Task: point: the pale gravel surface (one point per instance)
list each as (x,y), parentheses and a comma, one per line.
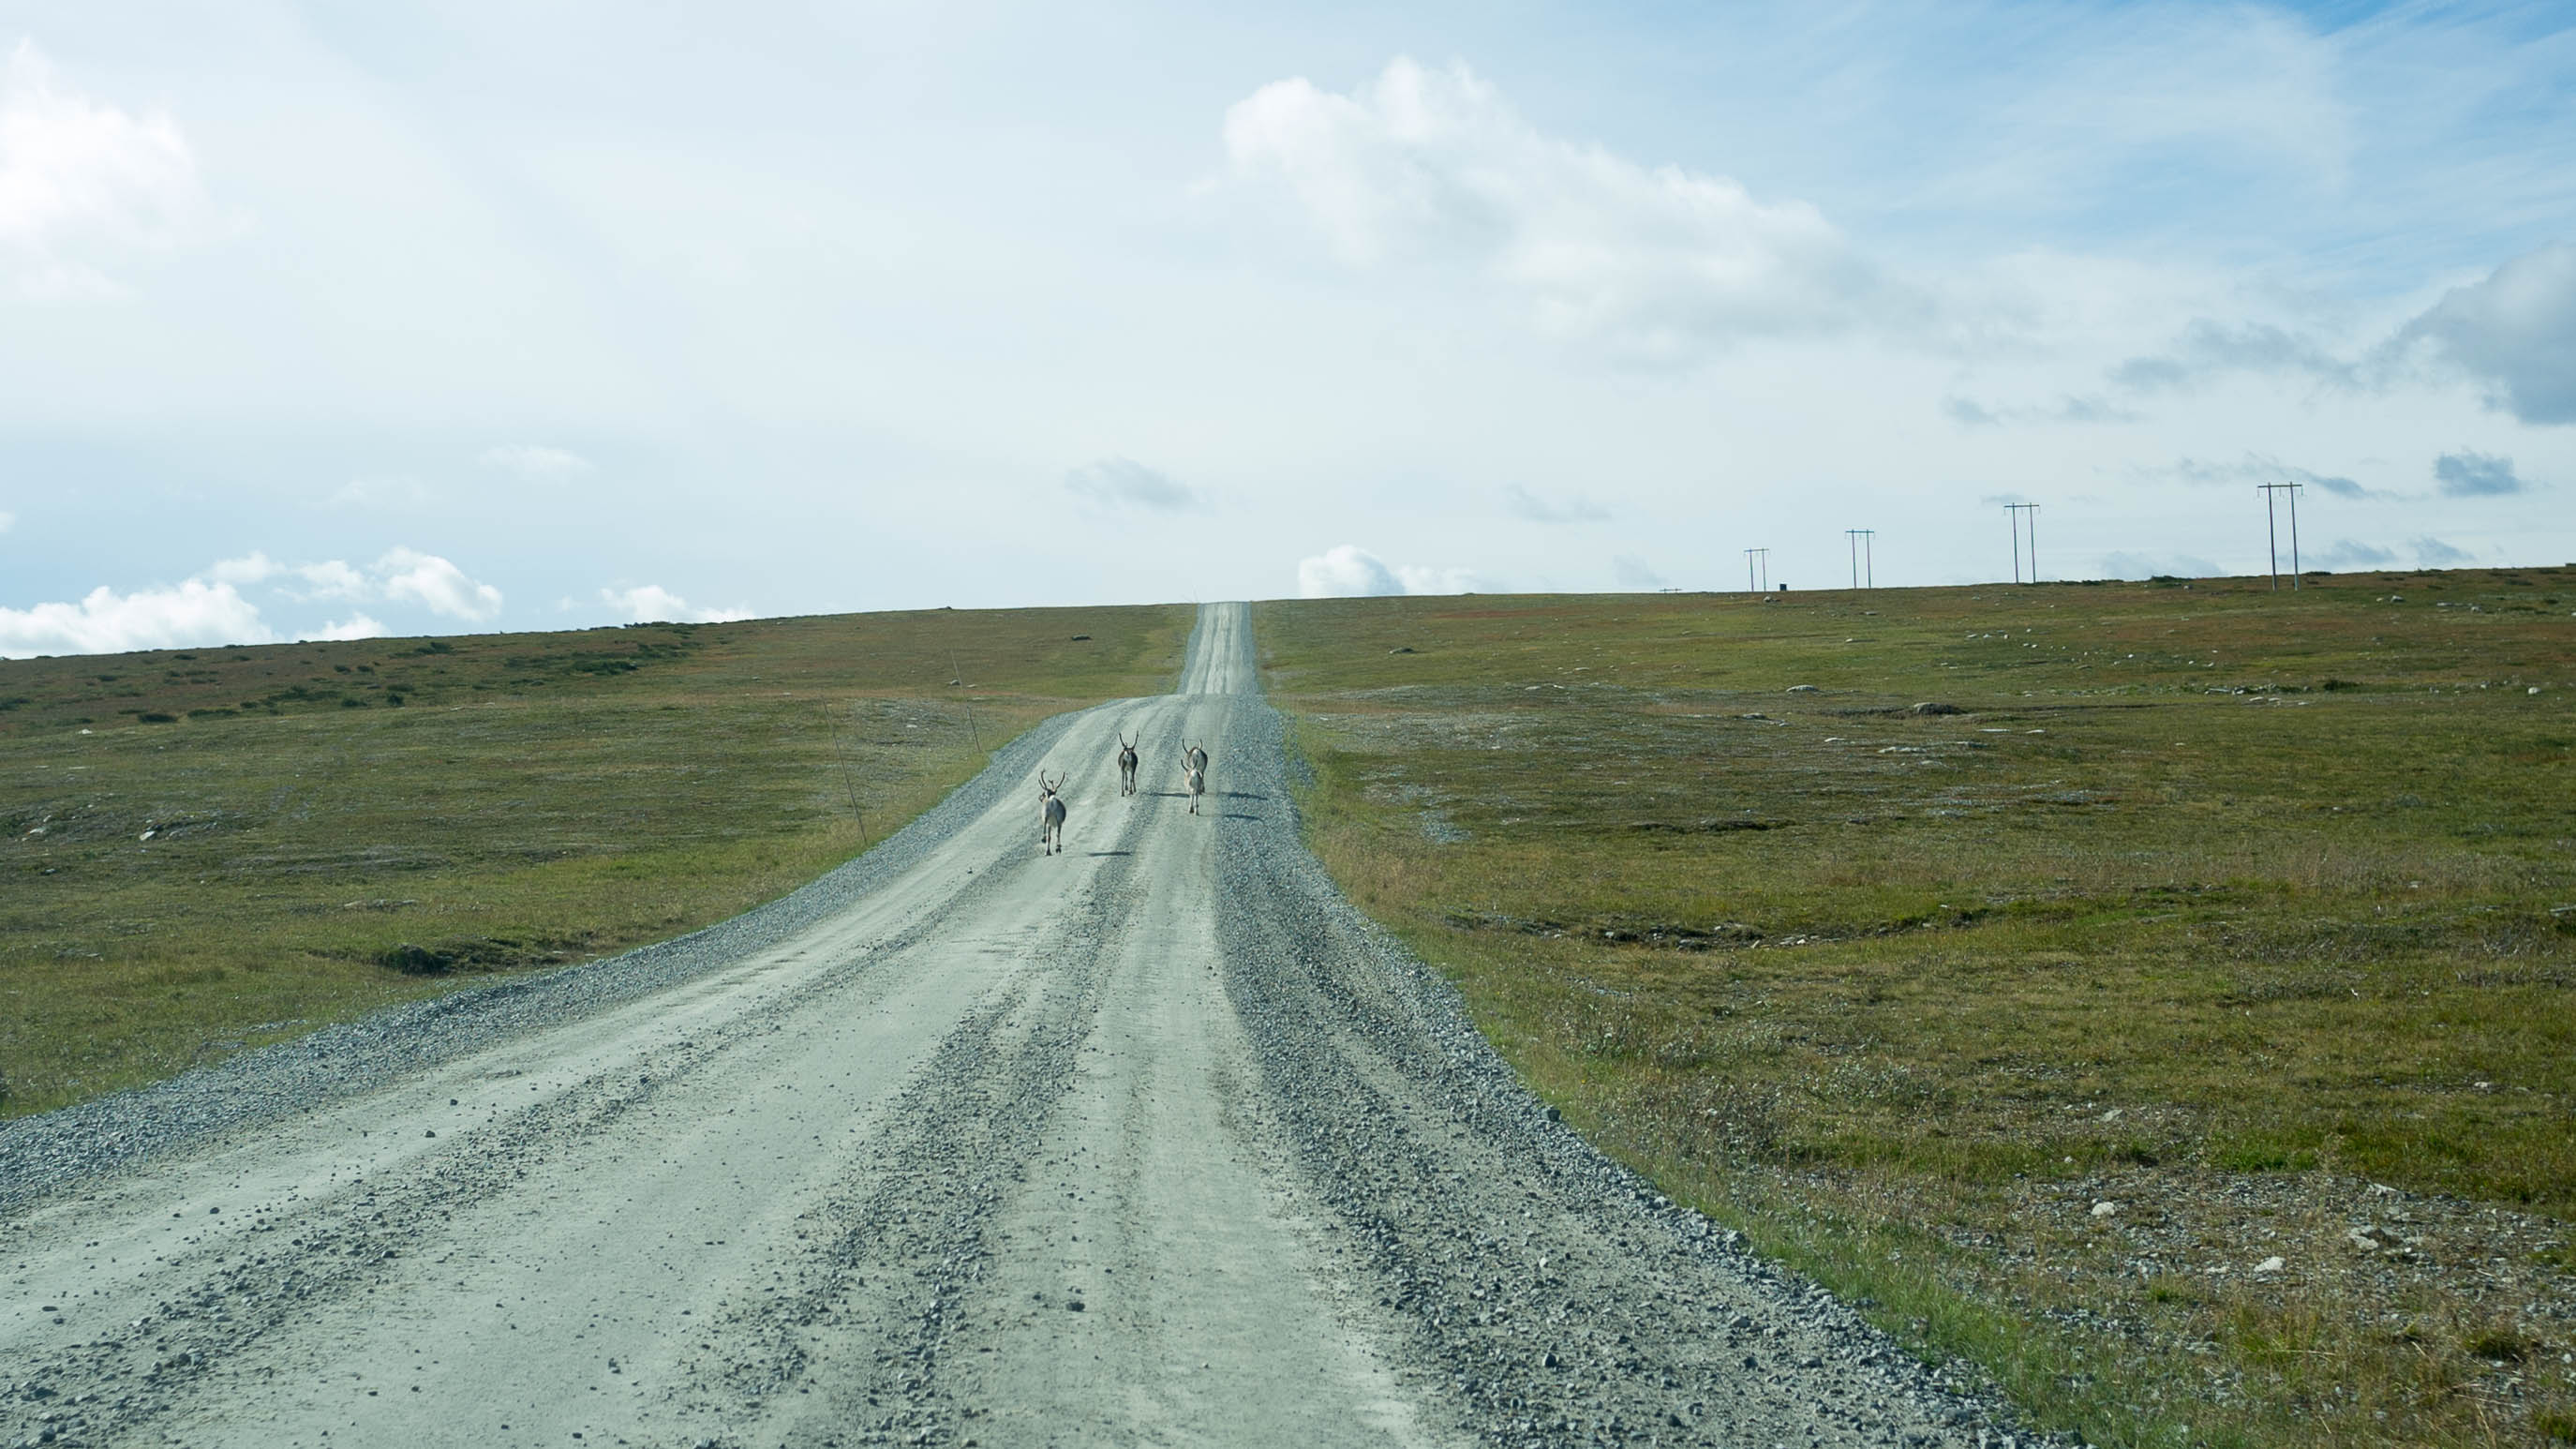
(42,1154)
(1152,1142)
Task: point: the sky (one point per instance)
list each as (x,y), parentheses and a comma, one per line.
(348,318)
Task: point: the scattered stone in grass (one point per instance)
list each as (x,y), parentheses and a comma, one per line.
(2372,1238)
(2271,1264)
(2105,1209)
(1934,706)
(1804,689)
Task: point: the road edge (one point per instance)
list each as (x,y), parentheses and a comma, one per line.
(76,1146)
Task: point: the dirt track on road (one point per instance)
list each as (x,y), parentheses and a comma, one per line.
(1151,1142)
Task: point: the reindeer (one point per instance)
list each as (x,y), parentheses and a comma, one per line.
(1050,815)
(1126,766)
(1195,758)
(1195,777)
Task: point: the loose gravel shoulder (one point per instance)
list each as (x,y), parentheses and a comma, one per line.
(1151,1141)
(1563,1297)
(44,1154)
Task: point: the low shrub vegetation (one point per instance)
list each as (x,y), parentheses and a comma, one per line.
(206,851)
(2177,1017)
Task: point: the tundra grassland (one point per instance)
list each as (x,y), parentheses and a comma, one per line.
(208,849)
(2183,1029)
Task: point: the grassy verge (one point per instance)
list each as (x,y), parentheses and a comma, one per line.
(2184,1029)
(208,849)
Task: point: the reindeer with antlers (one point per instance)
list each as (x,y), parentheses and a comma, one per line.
(1050,814)
(1126,766)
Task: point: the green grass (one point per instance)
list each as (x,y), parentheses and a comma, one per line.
(494,803)
(2217,903)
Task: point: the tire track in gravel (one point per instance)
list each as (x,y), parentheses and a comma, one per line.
(1562,1298)
(902,1245)
(1156,1141)
(339,1248)
(134,1129)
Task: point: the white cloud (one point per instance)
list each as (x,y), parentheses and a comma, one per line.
(2514,332)
(251,568)
(2260,468)
(1578,509)
(356,626)
(403,574)
(379,492)
(2350,553)
(210,608)
(652,603)
(2156,85)
(85,185)
(1419,579)
(2433,553)
(1347,572)
(535,462)
(2472,474)
(2208,349)
(6,519)
(1633,572)
(2069,408)
(1658,263)
(1350,571)
(435,584)
(198,611)
(1118,482)
(333,579)
(2126,565)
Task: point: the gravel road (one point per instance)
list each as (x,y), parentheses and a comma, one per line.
(1155,1141)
